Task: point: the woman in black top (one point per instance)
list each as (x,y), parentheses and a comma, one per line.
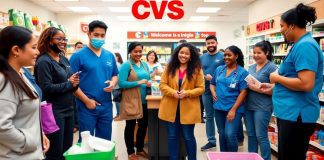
(55,78)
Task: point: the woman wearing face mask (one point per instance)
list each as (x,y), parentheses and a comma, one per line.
(20,129)
(259,104)
(55,78)
(297,84)
(141,69)
(229,91)
(182,83)
(155,67)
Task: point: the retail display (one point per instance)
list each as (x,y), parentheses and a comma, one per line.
(16,18)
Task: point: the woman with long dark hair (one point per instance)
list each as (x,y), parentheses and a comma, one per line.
(229,90)
(20,129)
(55,78)
(181,84)
(297,84)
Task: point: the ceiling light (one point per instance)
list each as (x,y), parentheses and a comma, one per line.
(216,0)
(66,0)
(120,9)
(80,9)
(198,18)
(126,18)
(113,0)
(207,9)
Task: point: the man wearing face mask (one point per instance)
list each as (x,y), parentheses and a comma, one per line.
(98,78)
(210,61)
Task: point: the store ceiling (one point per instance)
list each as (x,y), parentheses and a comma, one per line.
(233,11)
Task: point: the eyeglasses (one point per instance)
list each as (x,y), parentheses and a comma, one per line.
(61,39)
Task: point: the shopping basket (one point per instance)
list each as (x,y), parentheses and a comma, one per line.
(91,156)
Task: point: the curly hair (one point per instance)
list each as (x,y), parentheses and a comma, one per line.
(237,51)
(193,64)
(155,55)
(45,39)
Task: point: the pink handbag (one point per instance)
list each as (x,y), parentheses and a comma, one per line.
(47,118)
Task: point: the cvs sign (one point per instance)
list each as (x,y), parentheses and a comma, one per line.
(174,6)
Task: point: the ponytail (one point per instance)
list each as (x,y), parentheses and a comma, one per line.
(300,16)
(267,48)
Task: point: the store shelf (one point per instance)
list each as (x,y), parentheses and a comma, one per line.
(318,35)
(315,144)
(320,122)
(280,54)
(274,147)
(277,41)
(272,125)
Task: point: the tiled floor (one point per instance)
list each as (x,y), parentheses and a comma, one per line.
(118,137)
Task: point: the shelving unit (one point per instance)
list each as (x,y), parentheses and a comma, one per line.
(274,147)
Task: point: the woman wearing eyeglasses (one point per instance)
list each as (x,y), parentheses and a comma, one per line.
(55,78)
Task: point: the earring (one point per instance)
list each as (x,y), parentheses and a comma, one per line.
(15,56)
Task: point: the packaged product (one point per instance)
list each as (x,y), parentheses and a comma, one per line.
(16,18)
(28,22)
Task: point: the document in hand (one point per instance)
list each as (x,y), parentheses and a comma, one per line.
(252,80)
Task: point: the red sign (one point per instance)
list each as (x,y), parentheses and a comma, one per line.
(169,35)
(174,6)
(84,27)
(264,25)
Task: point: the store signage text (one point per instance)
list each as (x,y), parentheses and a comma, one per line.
(262,26)
(176,11)
(168,35)
(84,27)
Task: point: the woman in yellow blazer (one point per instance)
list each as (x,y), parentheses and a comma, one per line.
(182,83)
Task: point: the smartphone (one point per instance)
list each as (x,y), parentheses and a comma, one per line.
(107,82)
(77,73)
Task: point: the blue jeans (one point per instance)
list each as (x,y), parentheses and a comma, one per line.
(227,130)
(257,123)
(117,104)
(97,121)
(188,135)
(210,117)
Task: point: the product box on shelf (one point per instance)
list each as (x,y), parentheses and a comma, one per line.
(28,22)
(16,18)
(4,19)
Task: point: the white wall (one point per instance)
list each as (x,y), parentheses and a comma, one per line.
(117,31)
(27,7)
(263,9)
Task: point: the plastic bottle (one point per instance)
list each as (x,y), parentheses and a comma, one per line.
(85,147)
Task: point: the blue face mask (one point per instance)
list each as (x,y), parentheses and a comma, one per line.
(97,42)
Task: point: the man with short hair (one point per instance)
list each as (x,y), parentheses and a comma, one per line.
(78,45)
(98,78)
(210,61)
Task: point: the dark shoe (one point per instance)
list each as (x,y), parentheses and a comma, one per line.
(208,146)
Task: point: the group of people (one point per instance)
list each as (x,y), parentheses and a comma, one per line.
(92,73)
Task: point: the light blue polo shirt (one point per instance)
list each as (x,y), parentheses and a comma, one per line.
(289,104)
(95,71)
(227,95)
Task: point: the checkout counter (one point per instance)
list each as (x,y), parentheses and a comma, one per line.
(157,132)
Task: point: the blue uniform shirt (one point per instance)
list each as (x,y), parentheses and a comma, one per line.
(95,71)
(141,72)
(209,64)
(256,101)
(289,104)
(228,88)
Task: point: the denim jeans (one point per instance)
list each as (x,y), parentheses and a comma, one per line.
(227,130)
(257,123)
(187,130)
(210,117)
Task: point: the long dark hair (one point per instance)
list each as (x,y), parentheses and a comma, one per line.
(266,47)
(9,37)
(155,55)
(237,51)
(193,64)
(119,58)
(45,39)
(300,16)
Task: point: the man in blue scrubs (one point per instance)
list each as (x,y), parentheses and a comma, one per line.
(210,61)
(98,78)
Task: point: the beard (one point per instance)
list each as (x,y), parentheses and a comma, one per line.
(211,49)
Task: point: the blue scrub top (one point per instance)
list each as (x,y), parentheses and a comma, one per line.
(95,71)
(229,88)
(289,104)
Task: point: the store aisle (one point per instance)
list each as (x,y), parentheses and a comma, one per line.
(118,137)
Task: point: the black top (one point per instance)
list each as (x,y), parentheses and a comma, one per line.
(52,77)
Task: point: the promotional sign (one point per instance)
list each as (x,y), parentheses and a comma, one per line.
(84,27)
(168,35)
(174,7)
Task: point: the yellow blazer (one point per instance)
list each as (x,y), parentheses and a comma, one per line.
(190,105)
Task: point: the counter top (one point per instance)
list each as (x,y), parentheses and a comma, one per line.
(153,102)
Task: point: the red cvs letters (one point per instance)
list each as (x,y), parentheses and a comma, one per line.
(174,6)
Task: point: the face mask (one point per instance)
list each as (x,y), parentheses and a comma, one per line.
(211,49)
(97,42)
(286,34)
(55,49)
